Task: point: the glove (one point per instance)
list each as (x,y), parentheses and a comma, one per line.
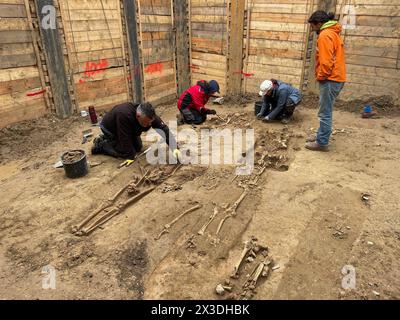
(126,163)
(267,119)
(211,111)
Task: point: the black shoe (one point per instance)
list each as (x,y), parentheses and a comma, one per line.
(98,145)
(285,120)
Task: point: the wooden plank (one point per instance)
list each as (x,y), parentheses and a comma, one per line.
(99,89)
(106,102)
(11,24)
(163,99)
(209,45)
(160,96)
(20,85)
(253,68)
(133,44)
(12,11)
(16,49)
(12,1)
(92,25)
(203,26)
(16,61)
(15,36)
(18,73)
(182,45)
(155,55)
(97,45)
(235,53)
(55,64)
(146,36)
(105,74)
(209,57)
(161,88)
(371,61)
(92,14)
(25,111)
(156,10)
(160,80)
(208,3)
(277,26)
(276,53)
(157,75)
(90,5)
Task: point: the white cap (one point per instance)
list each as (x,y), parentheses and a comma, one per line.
(265,87)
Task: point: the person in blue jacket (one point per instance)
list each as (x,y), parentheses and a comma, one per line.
(279,101)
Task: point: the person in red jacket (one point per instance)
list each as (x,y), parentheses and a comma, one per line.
(192,102)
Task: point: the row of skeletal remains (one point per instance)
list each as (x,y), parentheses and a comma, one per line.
(111,208)
(229,211)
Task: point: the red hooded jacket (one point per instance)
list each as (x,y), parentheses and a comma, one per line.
(195,97)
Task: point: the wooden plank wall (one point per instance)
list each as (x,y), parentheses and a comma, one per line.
(21,90)
(372,49)
(209,40)
(96,52)
(158,50)
(276,42)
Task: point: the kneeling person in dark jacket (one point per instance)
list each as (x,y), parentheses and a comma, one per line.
(122,128)
(279,101)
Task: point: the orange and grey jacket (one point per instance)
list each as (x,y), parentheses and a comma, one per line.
(330,56)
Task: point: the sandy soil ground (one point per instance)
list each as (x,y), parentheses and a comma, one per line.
(306,208)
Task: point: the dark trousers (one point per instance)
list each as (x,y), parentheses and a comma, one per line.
(192,116)
(109,144)
(286,112)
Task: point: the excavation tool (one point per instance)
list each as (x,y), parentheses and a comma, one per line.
(128,163)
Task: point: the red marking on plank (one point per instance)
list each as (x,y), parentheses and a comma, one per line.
(32,94)
(93,68)
(247,75)
(154,68)
(193,66)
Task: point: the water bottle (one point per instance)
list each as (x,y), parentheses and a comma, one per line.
(93,116)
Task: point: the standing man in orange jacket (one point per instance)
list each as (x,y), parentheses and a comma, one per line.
(330,73)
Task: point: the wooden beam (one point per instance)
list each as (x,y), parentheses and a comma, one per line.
(133,43)
(182,44)
(235,54)
(55,63)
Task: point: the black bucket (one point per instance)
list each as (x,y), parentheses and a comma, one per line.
(257,107)
(75,164)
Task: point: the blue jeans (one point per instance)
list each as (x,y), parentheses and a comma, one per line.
(328,92)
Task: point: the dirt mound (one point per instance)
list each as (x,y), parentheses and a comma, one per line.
(241,99)
(385,105)
(24,138)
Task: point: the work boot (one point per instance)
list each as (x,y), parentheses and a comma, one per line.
(179,119)
(311,138)
(314,146)
(285,120)
(98,145)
